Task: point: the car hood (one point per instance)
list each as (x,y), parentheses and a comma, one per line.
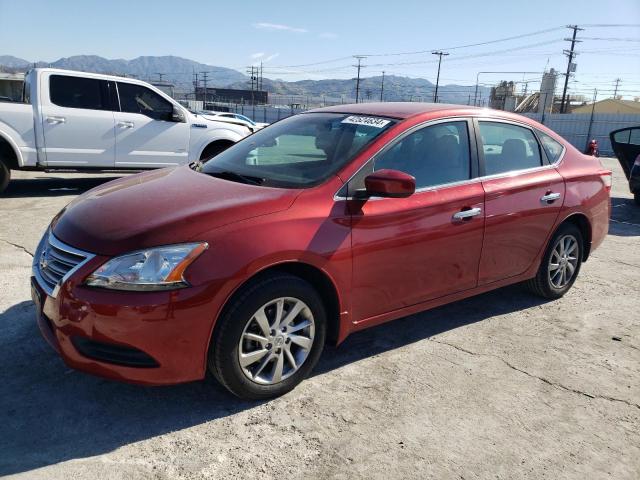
(161,207)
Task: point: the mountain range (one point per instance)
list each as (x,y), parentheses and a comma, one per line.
(180,71)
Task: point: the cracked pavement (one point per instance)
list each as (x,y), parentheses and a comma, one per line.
(502,385)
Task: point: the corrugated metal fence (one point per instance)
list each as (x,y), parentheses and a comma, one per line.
(578,129)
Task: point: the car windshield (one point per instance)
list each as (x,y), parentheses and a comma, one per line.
(299,151)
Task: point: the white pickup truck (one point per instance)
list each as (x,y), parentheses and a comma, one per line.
(84,121)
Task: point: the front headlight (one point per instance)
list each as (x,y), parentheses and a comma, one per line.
(159,268)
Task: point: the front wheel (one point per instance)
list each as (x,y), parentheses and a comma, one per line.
(269,338)
(560,264)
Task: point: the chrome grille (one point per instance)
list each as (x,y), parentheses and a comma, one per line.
(55,261)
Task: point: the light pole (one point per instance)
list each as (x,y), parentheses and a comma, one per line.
(440,54)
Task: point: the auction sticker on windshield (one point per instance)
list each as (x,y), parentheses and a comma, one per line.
(369,121)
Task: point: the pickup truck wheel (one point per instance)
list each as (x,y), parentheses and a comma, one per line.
(214,149)
(5,175)
(269,337)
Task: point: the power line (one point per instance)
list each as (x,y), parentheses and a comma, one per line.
(611,39)
(515,37)
(489,42)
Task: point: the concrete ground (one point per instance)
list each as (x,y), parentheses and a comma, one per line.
(503,385)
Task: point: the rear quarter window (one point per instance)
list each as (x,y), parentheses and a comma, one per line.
(552,148)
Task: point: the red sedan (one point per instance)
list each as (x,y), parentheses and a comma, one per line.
(320,225)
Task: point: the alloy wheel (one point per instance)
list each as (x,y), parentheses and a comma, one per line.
(276,340)
(563,261)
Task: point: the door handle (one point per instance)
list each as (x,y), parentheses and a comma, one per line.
(549,197)
(467,214)
(126,124)
(54,120)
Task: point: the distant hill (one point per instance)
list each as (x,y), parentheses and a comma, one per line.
(173,69)
(396,88)
(180,71)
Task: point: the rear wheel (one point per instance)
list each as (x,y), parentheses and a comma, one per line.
(560,264)
(5,175)
(269,338)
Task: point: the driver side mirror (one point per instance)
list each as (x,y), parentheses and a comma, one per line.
(178,115)
(390,184)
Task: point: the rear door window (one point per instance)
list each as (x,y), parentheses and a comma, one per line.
(78,92)
(507,147)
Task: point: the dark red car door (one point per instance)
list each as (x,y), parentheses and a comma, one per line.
(410,250)
(523,197)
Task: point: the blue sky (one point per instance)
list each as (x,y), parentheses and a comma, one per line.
(288,34)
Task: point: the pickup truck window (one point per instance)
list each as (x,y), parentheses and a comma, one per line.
(139,99)
(78,92)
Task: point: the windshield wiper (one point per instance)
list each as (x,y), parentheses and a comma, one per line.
(236,177)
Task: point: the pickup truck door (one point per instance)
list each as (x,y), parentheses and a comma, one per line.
(77,121)
(146,135)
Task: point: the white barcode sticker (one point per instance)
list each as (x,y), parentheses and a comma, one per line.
(369,121)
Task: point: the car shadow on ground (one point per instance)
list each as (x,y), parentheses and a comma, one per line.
(625,217)
(50,414)
(45,186)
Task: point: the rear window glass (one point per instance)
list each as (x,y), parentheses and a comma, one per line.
(78,92)
(552,148)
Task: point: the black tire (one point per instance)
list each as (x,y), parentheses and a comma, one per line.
(636,197)
(5,175)
(223,359)
(214,149)
(541,284)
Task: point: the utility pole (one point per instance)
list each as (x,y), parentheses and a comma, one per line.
(440,54)
(570,65)
(195,86)
(615,92)
(358,66)
(204,81)
(382,87)
(593,111)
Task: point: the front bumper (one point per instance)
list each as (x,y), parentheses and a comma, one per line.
(152,338)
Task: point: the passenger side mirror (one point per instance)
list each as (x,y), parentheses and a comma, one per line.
(178,115)
(389,183)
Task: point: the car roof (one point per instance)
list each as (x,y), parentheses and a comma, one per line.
(401,110)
